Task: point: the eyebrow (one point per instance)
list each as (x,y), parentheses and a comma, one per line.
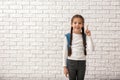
(79,22)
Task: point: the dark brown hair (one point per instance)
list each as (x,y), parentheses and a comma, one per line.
(83,35)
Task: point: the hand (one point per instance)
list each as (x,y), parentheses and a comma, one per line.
(65,71)
(88,33)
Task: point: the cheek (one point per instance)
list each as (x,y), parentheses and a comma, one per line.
(81,26)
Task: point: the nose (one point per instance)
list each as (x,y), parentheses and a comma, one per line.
(76,23)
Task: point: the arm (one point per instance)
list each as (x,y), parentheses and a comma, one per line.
(90,46)
(65,55)
(65,52)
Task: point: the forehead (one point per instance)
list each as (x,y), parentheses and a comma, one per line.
(77,20)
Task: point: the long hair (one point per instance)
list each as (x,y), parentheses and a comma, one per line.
(71,36)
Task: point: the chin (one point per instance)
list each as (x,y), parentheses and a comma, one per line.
(77,30)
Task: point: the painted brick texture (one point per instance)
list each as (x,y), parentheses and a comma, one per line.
(32,31)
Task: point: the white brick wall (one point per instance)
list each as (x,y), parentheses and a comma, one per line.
(31,38)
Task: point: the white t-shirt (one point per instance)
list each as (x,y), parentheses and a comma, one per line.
(77,48)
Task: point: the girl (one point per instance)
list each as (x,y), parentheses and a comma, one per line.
(74,49)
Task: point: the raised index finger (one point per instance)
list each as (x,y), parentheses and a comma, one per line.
(87,27)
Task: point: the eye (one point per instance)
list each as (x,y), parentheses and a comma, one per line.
(80,23)
(75,22)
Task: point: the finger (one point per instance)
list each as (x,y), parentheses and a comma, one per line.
(87,27)
(87,31)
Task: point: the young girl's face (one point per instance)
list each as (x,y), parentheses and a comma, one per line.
(77,25)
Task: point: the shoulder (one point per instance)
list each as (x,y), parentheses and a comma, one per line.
(67,34)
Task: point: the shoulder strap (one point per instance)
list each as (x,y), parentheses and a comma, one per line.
(68,39)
